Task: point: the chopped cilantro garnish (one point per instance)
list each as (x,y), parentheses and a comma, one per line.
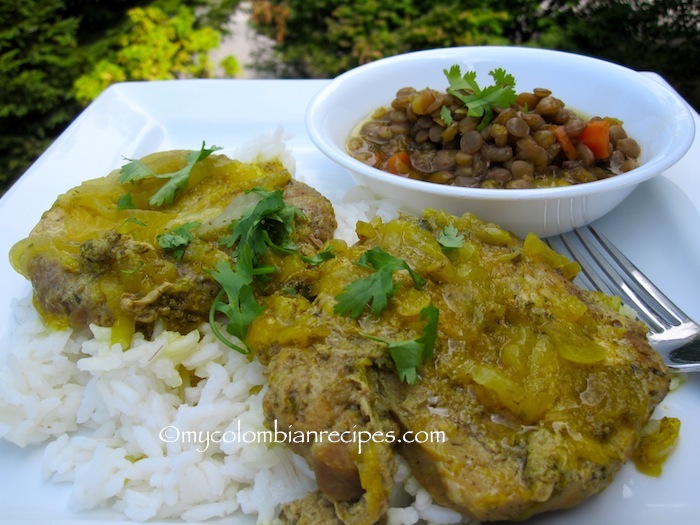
(126,202)
(324,255)
(409,355)
(480,102)
(132,271)
(134,220)
(377,288)
(240,308)
(136,170)
(177,239)
(269,224)
(450,238)
(446,115)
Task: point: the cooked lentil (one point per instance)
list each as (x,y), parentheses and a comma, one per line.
(535,143)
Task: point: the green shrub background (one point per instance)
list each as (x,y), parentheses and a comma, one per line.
(58,55)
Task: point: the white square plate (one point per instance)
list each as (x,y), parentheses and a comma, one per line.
(656,227)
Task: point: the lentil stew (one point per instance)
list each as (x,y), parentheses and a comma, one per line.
(536,142)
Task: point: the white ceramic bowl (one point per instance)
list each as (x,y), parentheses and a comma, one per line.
(652,114)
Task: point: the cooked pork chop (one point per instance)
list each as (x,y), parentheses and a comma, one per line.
(534,391)
(539,389)
(324,387)
(92,259)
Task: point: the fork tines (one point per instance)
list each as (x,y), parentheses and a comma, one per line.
(605,268)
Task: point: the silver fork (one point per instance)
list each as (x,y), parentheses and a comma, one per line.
(671,332)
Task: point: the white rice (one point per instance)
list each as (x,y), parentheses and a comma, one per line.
(103,412)
(127,429)
(104,415)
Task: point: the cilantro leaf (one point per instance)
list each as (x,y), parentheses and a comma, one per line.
(322,256)
(126,202)
(136,170)
(268,224)
(241,307)
(450,238)
(446,115)
(480,102)
(377,288)
(459,82)
(409,355)
(431,315)
(374,290)
(378,259)
(132,271)
(177,239)
(134,220)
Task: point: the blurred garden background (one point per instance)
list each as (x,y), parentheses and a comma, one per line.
(56,56)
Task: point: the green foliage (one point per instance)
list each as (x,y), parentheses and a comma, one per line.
(448,25)
(156,47)
(210,13)
(37,56)
(661,36)
(321,39)
(231,66)
(100,15)
(325,38)
(45,45)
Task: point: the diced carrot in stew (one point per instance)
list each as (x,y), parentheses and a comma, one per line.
(567,146)
(399,163)
(596,135)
